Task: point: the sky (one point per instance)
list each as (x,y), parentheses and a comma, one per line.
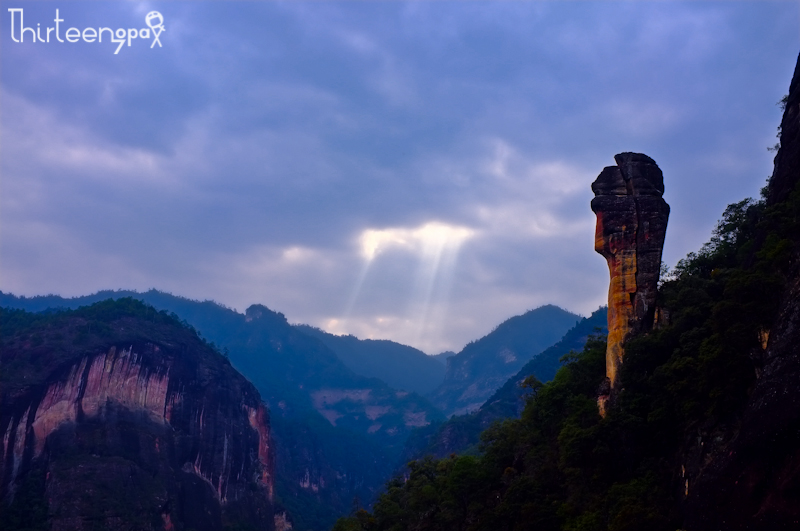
(416,171)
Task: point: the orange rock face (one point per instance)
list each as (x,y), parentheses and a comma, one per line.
(117,377)
(259,421)
(631,226)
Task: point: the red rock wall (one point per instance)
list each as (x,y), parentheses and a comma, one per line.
(112,377)
(218,449)
(259,421)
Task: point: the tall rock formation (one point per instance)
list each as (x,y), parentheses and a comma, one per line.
(118,417)
(631,226)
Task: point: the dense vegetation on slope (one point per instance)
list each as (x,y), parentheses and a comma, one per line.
(562,466)
(462,433)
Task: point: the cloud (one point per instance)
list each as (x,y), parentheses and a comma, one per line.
(418,171)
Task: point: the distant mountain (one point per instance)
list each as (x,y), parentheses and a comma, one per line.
(400,366)
(442,357)
(483,366)
(337,434)
(459,433)
(509,400)
(117,416)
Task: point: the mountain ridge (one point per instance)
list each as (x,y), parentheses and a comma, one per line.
(401,366)
(485,364)
(321,410)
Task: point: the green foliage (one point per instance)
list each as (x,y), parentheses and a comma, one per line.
(462,433)
(563,467)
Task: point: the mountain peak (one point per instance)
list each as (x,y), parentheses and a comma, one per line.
(259,311)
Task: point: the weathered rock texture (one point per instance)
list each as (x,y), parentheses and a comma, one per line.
(147,429)
(631,226)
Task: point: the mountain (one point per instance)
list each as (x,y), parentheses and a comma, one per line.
(117,416)
(337,435)
(442,357)
(688,418)
(486,364)
(460,433)
(400,366)
(745,474)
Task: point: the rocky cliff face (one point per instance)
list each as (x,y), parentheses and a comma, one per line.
(631,227)
(336,435)
(123,423)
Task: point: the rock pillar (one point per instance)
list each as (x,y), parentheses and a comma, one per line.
(631,225)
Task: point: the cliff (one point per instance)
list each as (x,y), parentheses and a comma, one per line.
(631,227)
(336,435)
(116,416)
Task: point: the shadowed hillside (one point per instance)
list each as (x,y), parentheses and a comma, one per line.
(483,366)
(400,366)
(462,433)
(337,434)
(117,416)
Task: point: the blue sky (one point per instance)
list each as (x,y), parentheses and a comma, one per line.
(417,171)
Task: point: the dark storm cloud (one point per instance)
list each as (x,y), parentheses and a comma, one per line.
(249,158)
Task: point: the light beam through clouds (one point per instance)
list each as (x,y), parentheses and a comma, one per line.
(416,171)
(435,246)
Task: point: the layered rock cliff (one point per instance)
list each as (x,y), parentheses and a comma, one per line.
(631,227)
(118,417)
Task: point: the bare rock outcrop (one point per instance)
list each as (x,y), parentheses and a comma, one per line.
(129,423)
(631,226)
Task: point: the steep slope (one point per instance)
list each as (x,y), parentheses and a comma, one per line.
(337,434)
(459,433)
(312,378)
(748,476)
(481,367)
(400,366)
(116,416)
